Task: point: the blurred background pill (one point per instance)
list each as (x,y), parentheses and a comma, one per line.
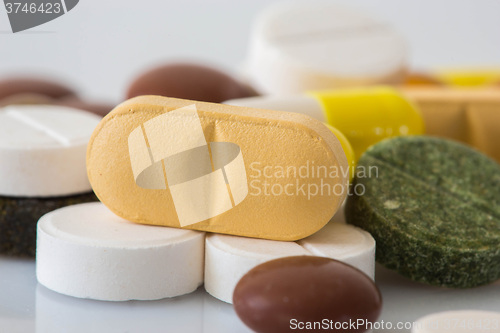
(189,81)
(364,115)
(297,46)
(33,86)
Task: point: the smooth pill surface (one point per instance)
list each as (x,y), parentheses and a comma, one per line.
(433,206)
(469,77)
(189,81)
(218,168)
(465,321)
(275,296)
(42,150)
(86,251)
(228,258)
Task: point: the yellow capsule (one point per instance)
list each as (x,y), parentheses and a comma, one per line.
(364,115)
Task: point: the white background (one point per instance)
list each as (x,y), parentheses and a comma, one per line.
(101,45)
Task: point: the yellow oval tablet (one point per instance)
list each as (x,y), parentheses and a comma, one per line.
(217,168)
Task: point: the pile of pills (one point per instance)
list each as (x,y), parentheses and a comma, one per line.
(240,185)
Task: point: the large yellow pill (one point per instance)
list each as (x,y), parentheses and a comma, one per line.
(217,168)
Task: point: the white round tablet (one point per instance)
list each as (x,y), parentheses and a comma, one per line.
(346,243)
(314,45)
(463,321)
(43,150)
(228,258)
(86,251)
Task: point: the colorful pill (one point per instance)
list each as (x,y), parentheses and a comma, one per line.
(364,116)
(433,206)
(217,168)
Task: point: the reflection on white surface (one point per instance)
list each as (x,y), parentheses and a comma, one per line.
(58,313)
(27,307)
(197,312)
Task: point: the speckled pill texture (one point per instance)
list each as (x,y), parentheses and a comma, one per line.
(18,218)
(433,207)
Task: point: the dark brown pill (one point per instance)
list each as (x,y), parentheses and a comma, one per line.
(189,81)
(16,86)
(100,109)
(285,294)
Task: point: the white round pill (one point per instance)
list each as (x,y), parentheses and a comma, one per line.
(86,251)
(464,321)
(228,258)
(302,46)
(43,150)
(346,243)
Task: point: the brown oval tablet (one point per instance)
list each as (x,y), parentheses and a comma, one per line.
(288,294)
(16,86)
(189,81)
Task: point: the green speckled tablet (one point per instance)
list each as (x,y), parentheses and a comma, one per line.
(433,208)
(18,218)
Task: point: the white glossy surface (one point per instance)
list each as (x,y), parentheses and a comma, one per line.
(27,307)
